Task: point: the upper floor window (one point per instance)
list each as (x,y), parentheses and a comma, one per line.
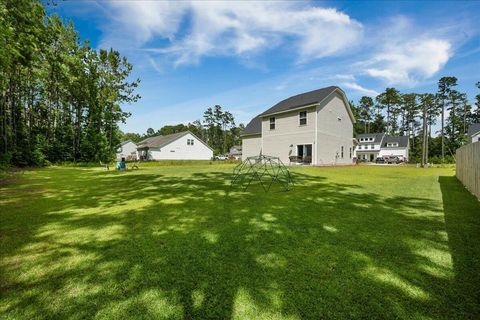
(394,144)
(350,153)
(359,147)
(303,118)
(190,142)
(372,146)
(272,123)
(342,152)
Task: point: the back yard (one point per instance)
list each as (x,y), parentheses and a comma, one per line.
(170,242)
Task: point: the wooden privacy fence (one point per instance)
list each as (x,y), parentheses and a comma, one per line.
(468,167)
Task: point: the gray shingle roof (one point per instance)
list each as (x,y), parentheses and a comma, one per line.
(302,99)
(124,143)
(377,137)
(401,140)
(474,128)
(254,126)
(160,141)
(299,100)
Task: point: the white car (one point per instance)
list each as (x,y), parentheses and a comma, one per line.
(221,157)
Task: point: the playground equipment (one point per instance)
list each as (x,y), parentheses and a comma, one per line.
(264,169)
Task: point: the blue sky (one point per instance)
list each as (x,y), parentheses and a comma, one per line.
(246,56)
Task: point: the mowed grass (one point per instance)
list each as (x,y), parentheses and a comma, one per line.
(173,242)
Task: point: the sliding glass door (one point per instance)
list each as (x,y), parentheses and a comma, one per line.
(304,152)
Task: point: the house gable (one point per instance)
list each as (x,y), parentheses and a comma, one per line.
(316,124)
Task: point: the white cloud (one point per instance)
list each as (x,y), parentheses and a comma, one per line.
(403,62)
(403,53)
(345,77)
(358,88)
(194,29)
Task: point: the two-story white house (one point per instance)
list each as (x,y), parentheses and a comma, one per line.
(373,145)
(314,127)
(474,132)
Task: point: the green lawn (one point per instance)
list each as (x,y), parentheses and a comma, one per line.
(170,242)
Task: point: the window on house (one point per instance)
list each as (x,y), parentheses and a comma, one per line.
(341,152)
(372,146)
(190,142)
(359,147)
(350,153)
(272,123)
(303,118)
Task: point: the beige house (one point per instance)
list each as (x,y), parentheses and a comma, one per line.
(314,127)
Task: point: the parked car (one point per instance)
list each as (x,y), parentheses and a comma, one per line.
(221,157)
(392,160)
(380,160)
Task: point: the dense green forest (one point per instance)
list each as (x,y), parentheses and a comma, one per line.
(59,98)
(416,115)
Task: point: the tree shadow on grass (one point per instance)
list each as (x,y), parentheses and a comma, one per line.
(188,246)
(462,220)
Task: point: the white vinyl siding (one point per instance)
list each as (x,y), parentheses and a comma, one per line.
(180,149)
(127,151)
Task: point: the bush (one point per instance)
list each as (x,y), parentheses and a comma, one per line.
(438,160)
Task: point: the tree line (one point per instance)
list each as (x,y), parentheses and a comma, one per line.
(59,97)
(416,114)
(218,129)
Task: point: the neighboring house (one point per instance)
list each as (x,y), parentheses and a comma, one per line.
(235,152)
(373,145)
(474,132)
(314,127)
(127,150)
(178,146)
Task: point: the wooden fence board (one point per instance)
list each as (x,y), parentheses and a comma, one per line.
(468,167)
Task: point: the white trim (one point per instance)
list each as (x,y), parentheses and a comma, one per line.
(251,134)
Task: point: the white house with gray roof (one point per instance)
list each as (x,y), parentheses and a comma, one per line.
(373,145)
(177,146)
(474,132)
(314,127)
(127,150)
